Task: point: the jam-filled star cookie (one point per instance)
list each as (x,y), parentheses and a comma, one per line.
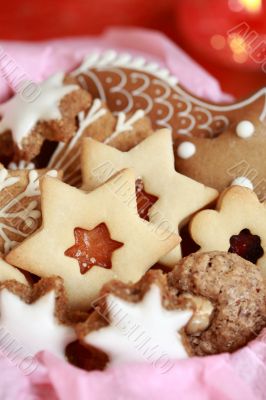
(122,131)
(20,213)
(238,226)
(91,238)
(165,197)
(36,317)
(128,83)
(143,322)
(51,115)
(236,156)
(236,290)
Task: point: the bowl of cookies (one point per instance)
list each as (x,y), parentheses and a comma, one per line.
(133,224)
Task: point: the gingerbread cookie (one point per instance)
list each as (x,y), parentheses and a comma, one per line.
(238,226)
(36,318)
(20,213)
(165,197)
(235,288)
(7,272)
(129,83)
(91,238)
(237,156)
(123,132)
(52,115)
(139,323)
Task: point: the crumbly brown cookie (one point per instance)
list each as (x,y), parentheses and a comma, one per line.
(129,320)
(51,114)
(36,317)
(122,131)
(237,291)
(20,213)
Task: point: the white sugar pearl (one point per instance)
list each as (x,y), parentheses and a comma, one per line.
(186,150)
(245,129)
(242,181)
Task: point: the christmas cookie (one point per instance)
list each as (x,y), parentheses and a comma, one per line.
(129,83)
(165,197)
(122,131)
(91,238)
(51,115)
(236,156)
(36,318)
(235,288)
(20,213)
(7,272)
(238,226)
(139,323)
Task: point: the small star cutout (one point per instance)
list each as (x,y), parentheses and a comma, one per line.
(93,247)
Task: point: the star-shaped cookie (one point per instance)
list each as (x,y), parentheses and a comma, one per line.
(138,323)
(34,317)
(64,209)
(153,162)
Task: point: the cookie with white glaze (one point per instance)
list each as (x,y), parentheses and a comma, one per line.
(36,318)
(25,122)
(143,322)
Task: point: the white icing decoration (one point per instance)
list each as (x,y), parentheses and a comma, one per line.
(34,326)
(124,124)
(29,213)
(242,181)
(110,59)
(186,150)
(136,329)
(21,116)
(21,165)
(63,149)
(61,158)
(245,129)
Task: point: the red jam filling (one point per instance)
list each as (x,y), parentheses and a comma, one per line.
(144,200)
(94,247)
(246,245)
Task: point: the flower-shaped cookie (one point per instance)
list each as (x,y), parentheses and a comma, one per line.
(238,226)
